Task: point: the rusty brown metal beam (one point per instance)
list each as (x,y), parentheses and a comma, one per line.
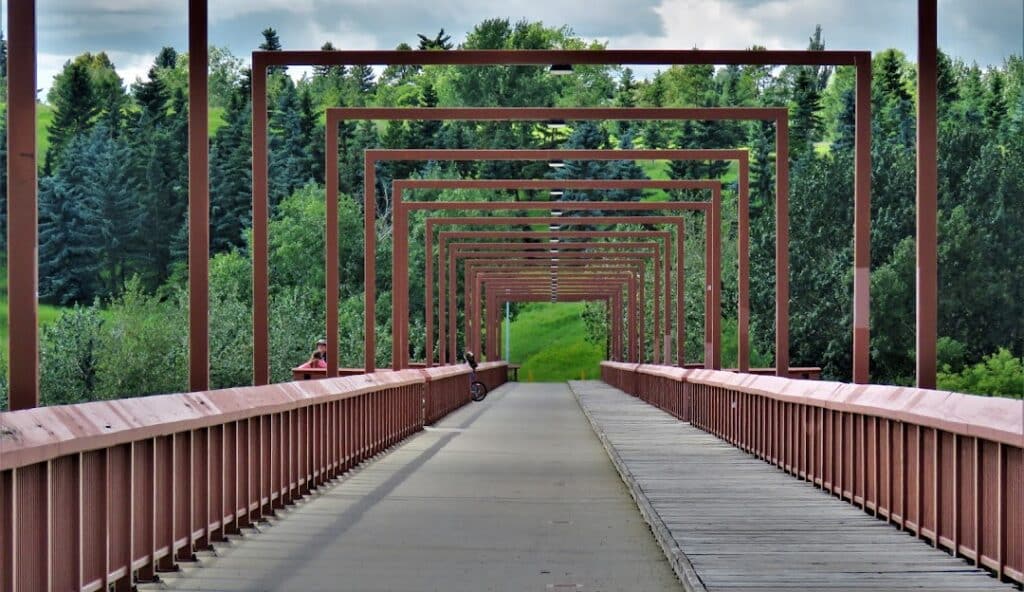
(22,208)
(540,253)
(428,308)
(198,199)
(635,266)
(710,294)
(927,309)
(714,288)
(861,60)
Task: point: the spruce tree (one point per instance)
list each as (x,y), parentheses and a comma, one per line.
(588,135)
(271,42)
(231,177)
(625,169)
(290,161)
(69,220)
(74,108)
(806,123)
(995,102)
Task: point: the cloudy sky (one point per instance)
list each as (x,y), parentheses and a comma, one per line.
(132,31)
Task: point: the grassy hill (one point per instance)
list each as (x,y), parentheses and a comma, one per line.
(548,341)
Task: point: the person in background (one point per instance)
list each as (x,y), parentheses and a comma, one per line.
(319,357)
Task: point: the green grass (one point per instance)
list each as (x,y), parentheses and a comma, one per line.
(548,342)
(47,314)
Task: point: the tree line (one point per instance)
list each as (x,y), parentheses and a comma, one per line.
(114,179)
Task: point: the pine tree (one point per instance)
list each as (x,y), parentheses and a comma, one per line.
(806,124)
(625,97)
(820,73)
(69,257)
(360,85)
(588,135)
(424,133)
(995,102)
(74,108)
(351,153)
(336,72)
(440,41)
(625,169)
(290,161)
(231,177)
(312,132)
(847,126)
(271,42)
(114,188)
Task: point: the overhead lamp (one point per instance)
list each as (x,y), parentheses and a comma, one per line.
(557,192)
(556,212)
(560,69)
(556,123)
(557,163)
(554,227)
(554,251)
(554,240)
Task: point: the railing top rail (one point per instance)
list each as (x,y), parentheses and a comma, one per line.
(991,418)
(34,435)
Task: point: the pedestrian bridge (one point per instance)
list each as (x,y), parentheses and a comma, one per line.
(656,478)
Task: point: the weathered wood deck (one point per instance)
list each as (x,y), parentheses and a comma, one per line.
(729,521)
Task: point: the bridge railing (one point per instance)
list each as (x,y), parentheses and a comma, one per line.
(946,467)
(92,495)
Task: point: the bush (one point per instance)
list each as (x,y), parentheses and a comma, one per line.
(69,357)
(1000,374)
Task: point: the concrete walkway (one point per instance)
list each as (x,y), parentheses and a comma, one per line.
(732,522)
(515,493)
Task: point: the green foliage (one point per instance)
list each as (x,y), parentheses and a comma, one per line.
(69,357)
(1001,373)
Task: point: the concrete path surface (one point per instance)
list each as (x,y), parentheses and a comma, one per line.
(515,493)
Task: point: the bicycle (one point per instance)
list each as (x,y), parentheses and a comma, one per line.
(477,389)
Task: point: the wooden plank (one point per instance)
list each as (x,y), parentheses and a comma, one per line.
(744,524)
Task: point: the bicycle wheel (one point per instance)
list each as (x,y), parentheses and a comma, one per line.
(478,390)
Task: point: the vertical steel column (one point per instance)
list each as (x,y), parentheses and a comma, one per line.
(927,193)
(862,223)
(369,267)
(260,249)
(399,288)
(22,257)
(198,199)
(743,246)
(781,247)
(331,247)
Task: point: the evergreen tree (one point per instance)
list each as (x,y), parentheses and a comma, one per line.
(350,170)
(806,125)
(329,71)
(625,97)
(820,74)
(588,135)
(114,188)
(360,85)
(69,256)
(231,177)
(847,124)
(74,108)
(312,132)
(625,169)
(424,133)
(271,42)
(440,41)
(995,102)
(290,161)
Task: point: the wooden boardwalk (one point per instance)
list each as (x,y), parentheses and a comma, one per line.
(728,521)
